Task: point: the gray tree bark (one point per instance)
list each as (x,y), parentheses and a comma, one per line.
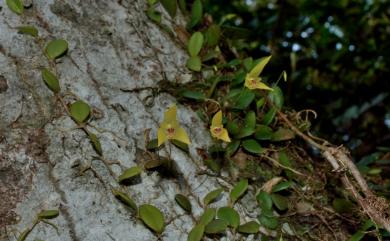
(116,59)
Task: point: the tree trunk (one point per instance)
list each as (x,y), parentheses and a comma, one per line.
(116,59)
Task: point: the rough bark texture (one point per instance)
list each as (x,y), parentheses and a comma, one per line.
(116,59)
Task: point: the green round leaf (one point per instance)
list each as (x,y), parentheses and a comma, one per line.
(232,147)
(245,132)
(282,186)
(280,202)
(263,132)
(130,173)
(152,217)
(170,6)
(79,111)
(124,198)
(183,202)
(196,13)
(232,127)
(216,226)
(154,15)
(212,196)
(244,99)
(251,227)
(264,200)
(212,35)
(29,30)
(196,234)
(269,116)
(181,145)
(207,216)
(15,6)
(250,120)
(195,44)
(213,165)
(194,63)
(238,190)
(48,214)
(276,97)
(194,95)
(268,222)
(56,48)
(51,80)
(252,146)
(229,215)
(283,134)
(95,143)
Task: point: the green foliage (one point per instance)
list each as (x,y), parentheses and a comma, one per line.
(15,6)
(79,111)
(48,214)
(130,173)
(212,196)
(51,80)
(56,48)
(251,227)
(216,226)
(29,30)
(238,190)
(152,217)
(183,202)
(196,233)
(229,215)
(196,13)
(170,6)
(124,198)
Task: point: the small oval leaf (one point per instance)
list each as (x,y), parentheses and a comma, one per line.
(280,202)
(129,173)
(194,95)
(216,226)
(183,202)
(252,146)
(269,116)
(283,134)
(124,198)
(95,143)
(230,215)
(152,217)
(268,222)
(238,190)
(195,44)
(264,200)
(51,80)
(212,196)
(56,48)
(251,227)
(282,186)
(48,214)
(196,234)
(170,6)
(194,63)
(207,216)
(196,13)
(79,111)
(15,6)
(276,96)
(29,30)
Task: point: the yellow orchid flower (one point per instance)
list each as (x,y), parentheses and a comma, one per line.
(252,79)
(217,129)
(170,128)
